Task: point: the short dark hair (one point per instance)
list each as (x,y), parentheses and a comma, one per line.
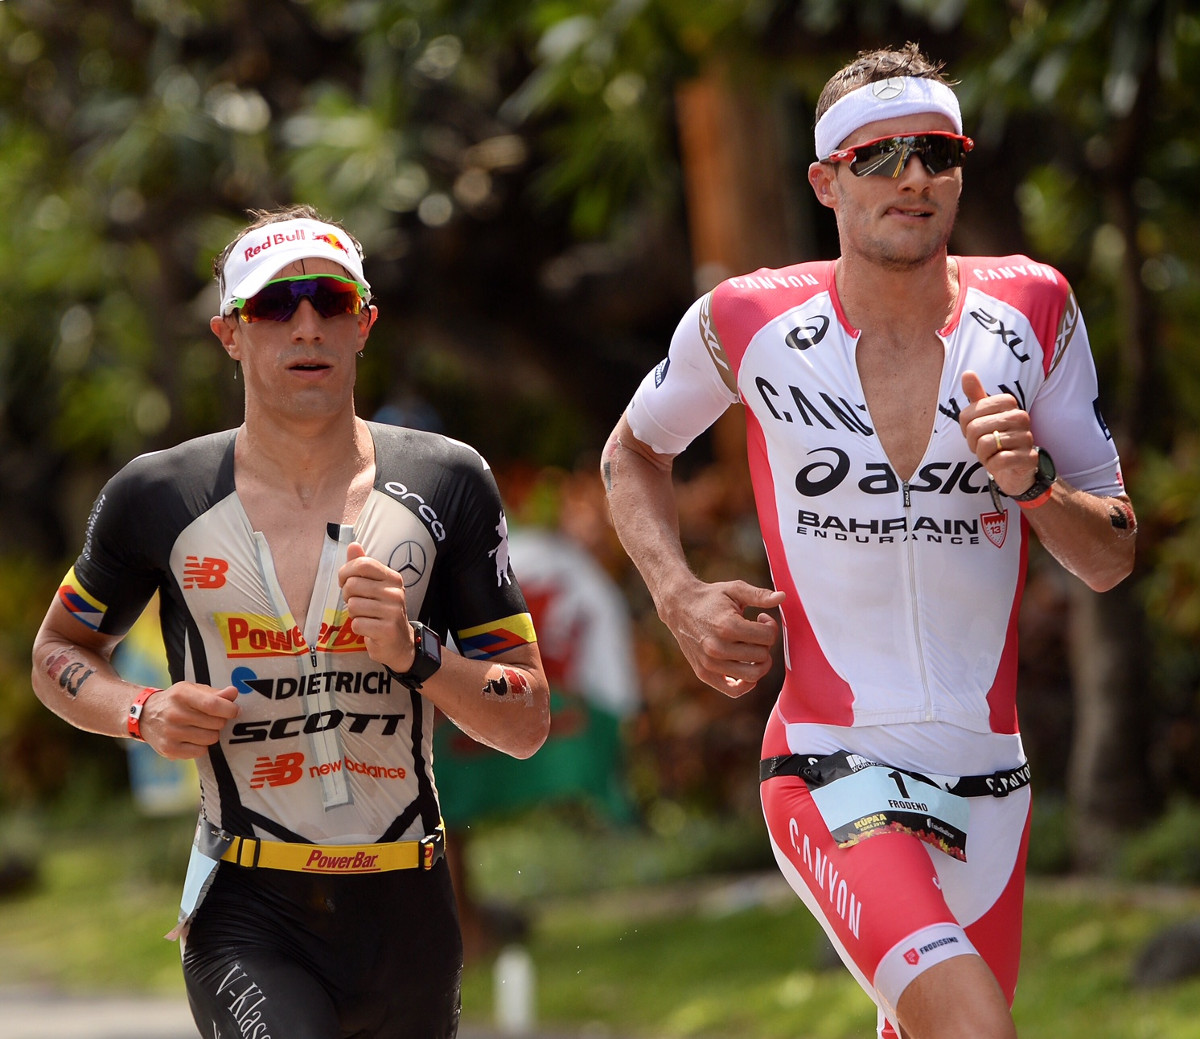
(262,217)
(872,66)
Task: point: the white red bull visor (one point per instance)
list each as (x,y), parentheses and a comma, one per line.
(260,254)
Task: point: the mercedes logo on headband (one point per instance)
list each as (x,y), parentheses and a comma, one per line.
(887,89)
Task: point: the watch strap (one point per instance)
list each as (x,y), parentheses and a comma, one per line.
(1044,478)
(1040,499)
(134,721)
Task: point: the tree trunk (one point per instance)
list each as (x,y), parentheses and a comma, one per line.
(1107,781)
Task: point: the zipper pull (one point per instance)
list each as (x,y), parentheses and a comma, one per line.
(907,495)
(312,655)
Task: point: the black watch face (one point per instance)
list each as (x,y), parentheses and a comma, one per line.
(431,646)
(1046,468)
(429,653)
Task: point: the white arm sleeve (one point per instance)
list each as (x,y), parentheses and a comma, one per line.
(686,393)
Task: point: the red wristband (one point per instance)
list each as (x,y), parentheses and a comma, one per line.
(135,712)
(1041,499)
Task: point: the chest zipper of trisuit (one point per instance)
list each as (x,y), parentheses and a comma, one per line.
(324,740)
(914,598)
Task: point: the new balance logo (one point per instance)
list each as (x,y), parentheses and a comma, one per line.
(204,573)
(283,770)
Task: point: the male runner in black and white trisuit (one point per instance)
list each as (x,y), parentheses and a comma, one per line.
(309,564)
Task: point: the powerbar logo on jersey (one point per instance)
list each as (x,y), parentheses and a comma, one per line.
(205,573)
(261,635)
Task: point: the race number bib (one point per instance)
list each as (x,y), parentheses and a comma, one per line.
(858,799)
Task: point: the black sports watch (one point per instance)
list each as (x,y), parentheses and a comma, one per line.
(1043,479)
(427,660)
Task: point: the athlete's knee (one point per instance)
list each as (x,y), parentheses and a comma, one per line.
(957,997)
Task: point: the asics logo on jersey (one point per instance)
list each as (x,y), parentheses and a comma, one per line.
(283,770)
(831,468)
(206,573)
(808,334)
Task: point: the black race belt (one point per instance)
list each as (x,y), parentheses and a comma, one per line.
(809,767)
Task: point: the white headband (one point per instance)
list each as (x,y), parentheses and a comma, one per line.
(262,253)
(884,99)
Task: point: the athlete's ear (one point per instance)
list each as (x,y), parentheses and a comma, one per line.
(366,321)
(223,327)
(821,176)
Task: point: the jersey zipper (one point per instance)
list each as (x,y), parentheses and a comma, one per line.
(914,592)
(325,744)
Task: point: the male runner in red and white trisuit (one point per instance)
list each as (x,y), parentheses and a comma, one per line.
(308,565)
(905,412)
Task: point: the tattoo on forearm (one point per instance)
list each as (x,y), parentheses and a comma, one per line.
(1121,516)
(607,464)
(68,673)
(509,681)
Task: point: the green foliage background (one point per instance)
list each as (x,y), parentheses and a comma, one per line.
(513,170)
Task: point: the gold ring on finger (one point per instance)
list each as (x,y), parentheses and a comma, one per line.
(996,437)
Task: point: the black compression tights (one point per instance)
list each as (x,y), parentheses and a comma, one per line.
(280,955)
